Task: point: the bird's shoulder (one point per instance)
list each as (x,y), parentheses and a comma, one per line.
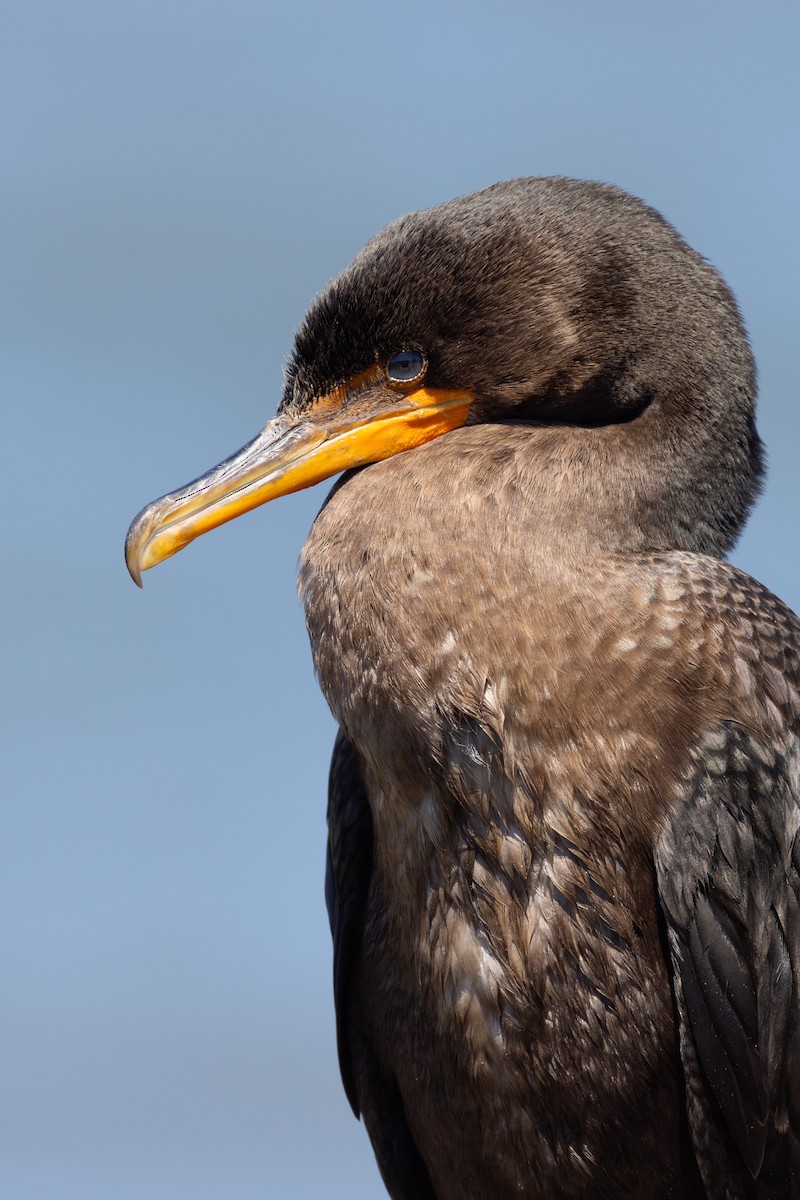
(739,640)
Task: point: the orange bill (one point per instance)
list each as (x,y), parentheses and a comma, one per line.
(294,451)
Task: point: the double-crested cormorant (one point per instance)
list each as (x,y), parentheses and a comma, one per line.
(564,861)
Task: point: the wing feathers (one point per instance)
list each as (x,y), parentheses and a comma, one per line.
(729,885)
(711,973)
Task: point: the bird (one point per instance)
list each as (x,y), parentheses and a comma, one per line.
(563,864)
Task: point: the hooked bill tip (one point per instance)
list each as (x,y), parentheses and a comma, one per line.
(132,553)
(134,572)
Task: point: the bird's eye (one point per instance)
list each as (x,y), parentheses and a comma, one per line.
(406,366)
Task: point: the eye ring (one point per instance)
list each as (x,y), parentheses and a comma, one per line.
(407,366)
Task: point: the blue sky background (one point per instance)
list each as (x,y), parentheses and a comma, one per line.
(178,180)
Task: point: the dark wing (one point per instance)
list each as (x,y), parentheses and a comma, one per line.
(728,866)
(348,871)
(370,1090)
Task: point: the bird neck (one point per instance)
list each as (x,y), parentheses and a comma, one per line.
(682,475)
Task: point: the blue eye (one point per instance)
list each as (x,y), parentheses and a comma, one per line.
(406,366)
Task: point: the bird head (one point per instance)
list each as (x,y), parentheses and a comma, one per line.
(550,301)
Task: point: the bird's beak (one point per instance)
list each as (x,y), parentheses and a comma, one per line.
(348,428)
